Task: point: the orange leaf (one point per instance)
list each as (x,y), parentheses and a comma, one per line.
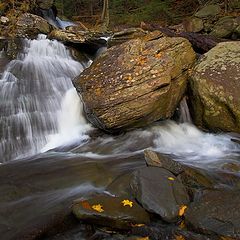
(182,210)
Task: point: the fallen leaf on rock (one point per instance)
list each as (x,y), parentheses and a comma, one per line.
(180,237)
(182,210)
(143,238)
(98,208)
(127,203)
(138,225)
(86,205)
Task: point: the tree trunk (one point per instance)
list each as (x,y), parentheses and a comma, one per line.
(105,15)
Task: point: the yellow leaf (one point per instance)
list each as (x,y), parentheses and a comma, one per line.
(143,238)
(182,210)
(182,225)
(127,203)
(171,179)
(98,208)
(138,225)
(180,237)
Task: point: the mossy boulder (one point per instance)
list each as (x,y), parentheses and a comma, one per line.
(225,27)
(136,83)
(211,10)
(215,85)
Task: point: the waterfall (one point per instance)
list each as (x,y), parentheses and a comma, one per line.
(31,92)
(185,115)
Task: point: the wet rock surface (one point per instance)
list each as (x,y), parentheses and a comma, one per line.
(107,210)
(215,88)
(216,212)
(135,83)
(159,192)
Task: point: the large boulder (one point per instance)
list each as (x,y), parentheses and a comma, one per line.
(215,84)
(136,83)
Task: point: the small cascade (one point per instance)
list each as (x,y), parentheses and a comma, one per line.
(50,16)
(185,116)
(31,90)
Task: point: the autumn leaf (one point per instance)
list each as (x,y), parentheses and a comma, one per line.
(182,210)
(98,208)
(127,203)
(86,205)
(138,225)
(171,178)
(180,237)
(182,225)
(143,238)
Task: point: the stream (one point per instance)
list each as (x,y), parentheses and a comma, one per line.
(50,155)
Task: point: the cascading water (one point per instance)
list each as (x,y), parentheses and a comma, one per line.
(31,90)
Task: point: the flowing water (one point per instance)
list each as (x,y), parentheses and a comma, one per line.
(31,91)
(40,110)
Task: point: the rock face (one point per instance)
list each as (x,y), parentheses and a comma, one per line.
(135,83)
(159,192)
(110,211)
(216,212)
(29,25)
(215,84)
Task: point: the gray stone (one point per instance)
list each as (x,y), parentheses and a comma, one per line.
(216,212)
(106,210)
(159,192)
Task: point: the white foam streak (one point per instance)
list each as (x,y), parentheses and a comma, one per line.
(187,141)
(72,126)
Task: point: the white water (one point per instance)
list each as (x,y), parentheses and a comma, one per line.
(72,126)
(31,91)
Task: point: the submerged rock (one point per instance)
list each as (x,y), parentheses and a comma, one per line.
(216,212)
(135,83)
(114,212)
(160,192)
(215,88)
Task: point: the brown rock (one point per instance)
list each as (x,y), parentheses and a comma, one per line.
(193,24)
(135,83)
